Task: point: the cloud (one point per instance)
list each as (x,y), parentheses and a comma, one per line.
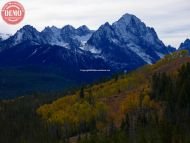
(170,18)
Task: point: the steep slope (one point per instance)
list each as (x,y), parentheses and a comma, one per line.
(146,119)
(125,45)
(131,41)
(65,37)
(185,45)
(121,47)
(27,33)
(52,51)
(47,59)
(107,104)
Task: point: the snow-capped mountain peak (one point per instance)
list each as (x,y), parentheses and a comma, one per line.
(27,33)
(51,29)
(28,30)
(68,29)
(128,19)
(83,30)
(129,27)
(126,36)
(67,37)
(52,36)
(124,45)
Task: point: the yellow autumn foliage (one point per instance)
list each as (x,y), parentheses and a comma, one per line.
(72,111)
(136,101)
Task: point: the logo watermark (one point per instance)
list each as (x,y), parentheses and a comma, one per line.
(95,70)
(13,12)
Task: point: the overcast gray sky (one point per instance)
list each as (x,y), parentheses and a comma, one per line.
(170,18)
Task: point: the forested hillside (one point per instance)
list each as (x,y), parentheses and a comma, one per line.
(149,105)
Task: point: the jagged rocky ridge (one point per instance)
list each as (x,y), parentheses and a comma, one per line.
(122,46)
(185,45)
